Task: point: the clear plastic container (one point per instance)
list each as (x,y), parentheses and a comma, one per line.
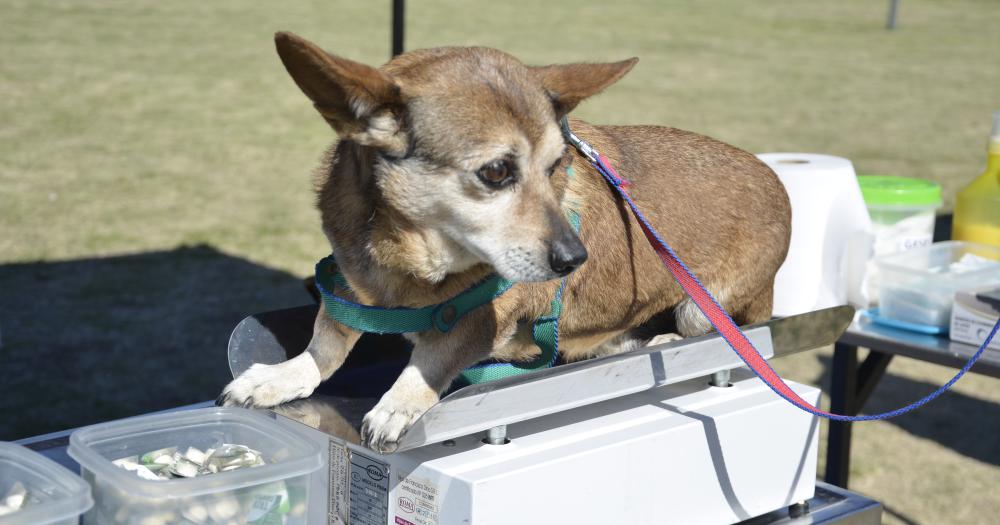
(53,494)
(902,212)
(272,494)
(918,286)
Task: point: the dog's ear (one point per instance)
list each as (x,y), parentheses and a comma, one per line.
(360,102)
(569,84)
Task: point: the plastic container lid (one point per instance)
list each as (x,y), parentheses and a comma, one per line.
(62,494)
(882,190)
(94,448)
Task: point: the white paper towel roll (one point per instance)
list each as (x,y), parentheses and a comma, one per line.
(831,233)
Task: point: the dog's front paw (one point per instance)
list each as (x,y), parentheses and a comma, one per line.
(265,386)
(385,424)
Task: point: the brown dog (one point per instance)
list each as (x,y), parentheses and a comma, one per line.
(451,166)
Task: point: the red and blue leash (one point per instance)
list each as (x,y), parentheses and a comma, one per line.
(721,320)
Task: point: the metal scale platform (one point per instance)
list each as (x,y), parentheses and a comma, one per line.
(674,433)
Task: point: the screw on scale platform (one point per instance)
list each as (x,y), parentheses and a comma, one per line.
(797,510)
(496,436)
(721,379)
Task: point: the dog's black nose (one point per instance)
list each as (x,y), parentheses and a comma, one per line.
(567,254)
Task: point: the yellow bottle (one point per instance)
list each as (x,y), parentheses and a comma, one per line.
(977,207)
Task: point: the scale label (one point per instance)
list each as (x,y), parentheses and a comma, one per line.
(369,491)
(337,506)
(416,502)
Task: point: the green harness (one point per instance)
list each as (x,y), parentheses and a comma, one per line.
(443,316)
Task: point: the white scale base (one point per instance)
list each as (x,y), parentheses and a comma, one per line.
(683,453)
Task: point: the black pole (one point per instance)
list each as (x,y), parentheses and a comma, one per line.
(398,23)
(890,23)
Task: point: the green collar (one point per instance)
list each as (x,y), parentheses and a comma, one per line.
(442,316)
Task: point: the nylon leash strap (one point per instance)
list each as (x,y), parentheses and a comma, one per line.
(720,319)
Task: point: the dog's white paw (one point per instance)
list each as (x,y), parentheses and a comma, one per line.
(664,338)
(386,423)
(265,386)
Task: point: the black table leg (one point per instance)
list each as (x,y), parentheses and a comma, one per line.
(843,385)
(850,386)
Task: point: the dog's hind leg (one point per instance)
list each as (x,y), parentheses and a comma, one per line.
(758,309)
(270,385)
(690,320)
(663,339)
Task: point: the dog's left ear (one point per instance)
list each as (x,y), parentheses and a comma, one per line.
(361,103)
(569,84)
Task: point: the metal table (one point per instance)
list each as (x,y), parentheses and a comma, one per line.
(852,382)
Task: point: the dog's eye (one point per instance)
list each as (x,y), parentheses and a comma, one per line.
(497,174)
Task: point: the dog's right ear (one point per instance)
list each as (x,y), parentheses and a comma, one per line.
(569,84)
(360,102)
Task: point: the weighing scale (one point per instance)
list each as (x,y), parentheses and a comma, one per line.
(674,433)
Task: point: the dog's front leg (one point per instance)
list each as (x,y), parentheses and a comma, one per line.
(266,386)
(433,365)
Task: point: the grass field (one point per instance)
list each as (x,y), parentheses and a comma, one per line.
(155,180)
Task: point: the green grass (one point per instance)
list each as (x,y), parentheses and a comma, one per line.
(133,126)
(144,127)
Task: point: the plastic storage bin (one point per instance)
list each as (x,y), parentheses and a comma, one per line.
(54,495)
(918,286)
(273,494)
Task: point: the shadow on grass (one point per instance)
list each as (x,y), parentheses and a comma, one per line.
(965,424)
(90,340)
